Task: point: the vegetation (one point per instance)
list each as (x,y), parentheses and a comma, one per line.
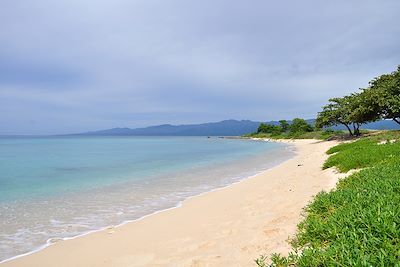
(348,111)
(298,128)
(285,126)
(358,223)
(381,100)
(270,129)
(361,154)
(321,135)
(384,93)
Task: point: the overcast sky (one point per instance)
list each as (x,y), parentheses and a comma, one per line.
(77,65)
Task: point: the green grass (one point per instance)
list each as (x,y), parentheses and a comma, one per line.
(358,223)
(320,135)
(361,154)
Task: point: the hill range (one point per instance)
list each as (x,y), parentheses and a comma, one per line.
(222,128)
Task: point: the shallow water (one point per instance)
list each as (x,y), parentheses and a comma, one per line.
(54,188)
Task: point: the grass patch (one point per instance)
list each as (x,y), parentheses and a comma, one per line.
(320,135)
(362,153)
(358,224)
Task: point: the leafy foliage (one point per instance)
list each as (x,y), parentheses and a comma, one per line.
(381,100)
(284,125)
(384,92)
(271,129)
(351,111)
(358,223)
(300,126)
(297,127)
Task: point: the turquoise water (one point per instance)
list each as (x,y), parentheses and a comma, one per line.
(54,188)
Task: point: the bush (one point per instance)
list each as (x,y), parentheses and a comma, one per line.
(267,128)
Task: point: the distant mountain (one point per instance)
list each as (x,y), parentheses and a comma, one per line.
(382,125)
(222,128)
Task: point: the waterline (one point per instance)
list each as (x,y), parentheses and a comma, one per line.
(85,211)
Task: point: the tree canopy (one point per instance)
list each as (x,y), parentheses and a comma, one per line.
(268,128)
(284,125)
(385,95)
(381,100)
(300,126)
(297,126)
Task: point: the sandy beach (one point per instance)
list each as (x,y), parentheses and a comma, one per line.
(227,227)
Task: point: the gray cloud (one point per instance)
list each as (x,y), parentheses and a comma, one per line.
(68,66)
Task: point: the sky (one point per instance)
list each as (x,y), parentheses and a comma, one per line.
(80,65)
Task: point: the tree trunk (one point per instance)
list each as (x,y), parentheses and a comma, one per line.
(396,120)
(348,128)
(357,132)
(356,127)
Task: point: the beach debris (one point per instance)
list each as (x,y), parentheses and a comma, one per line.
(298,165)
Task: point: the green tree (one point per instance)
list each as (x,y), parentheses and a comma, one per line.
(335,113)
(351,111)
(300,126)
(284,125)
(268,128)
(362,109)
(262,128)
(384,92)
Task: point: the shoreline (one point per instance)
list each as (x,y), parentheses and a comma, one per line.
(51,241)
(24,259)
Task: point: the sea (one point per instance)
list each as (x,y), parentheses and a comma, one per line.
(57,188)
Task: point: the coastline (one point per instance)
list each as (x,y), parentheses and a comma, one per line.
(194,233)
(239,175)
